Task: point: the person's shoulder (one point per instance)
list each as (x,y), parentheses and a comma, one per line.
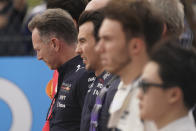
(87,76)
(82,73)
(115,82)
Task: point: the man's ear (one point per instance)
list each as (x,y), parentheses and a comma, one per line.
(174,95)
(164,30)
(136,45)
(75,23)
(56,44)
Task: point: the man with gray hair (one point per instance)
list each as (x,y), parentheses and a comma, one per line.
(54,37)
(175,20)
(173,15)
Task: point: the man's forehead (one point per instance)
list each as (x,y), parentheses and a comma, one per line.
(88,24)
(86,28)
(110,25)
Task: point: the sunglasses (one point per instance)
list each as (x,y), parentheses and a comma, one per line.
(144,85)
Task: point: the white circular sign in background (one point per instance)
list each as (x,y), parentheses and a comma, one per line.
(18,104)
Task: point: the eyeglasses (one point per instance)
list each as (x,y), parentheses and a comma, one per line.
(145,85)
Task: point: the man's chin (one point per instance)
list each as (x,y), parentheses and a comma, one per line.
(108,69)
(52,68)
(89,68)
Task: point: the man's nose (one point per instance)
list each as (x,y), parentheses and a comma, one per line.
(99,47)
(78,49)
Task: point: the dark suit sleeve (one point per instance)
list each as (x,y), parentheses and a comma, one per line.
(104,114)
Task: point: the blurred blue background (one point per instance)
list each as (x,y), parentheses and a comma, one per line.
(31,77)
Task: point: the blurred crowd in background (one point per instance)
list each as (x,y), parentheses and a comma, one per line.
(15,38)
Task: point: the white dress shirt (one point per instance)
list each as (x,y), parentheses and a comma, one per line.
(182,124)
(124,109)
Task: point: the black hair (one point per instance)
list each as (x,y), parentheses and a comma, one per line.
(96,17)
(74,7)
(177,67)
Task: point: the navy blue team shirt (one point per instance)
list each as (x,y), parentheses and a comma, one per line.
(91,95)
(72,86)
(104,113)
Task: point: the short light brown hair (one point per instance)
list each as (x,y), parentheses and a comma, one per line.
(137,19)
(55,22)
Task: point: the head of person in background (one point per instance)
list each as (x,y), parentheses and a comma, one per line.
(128,32)
(96,4)
(9,11)
(54,37)
(86,1)
(5,8)
(88,25)
(74,7)
(168,87)
(172,13)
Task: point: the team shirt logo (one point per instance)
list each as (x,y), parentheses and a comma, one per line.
(79,67)
(99,85)
(66,87)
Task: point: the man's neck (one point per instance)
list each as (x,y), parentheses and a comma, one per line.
(132,71)
(170,116)
(128,74)
(67,54)
(99,71)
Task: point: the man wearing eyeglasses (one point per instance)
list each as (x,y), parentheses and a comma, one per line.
(168,88)
(127,34)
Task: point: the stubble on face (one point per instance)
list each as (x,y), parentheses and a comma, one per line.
(115,55)
(44,50)
(87,45)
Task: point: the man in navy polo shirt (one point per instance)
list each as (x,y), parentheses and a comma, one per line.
(89,23)
(54,40)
